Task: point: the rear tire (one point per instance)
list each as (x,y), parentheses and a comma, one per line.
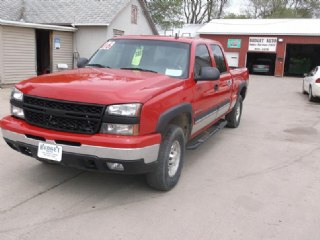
(303,91)
(311,97)
(233,118)
(170,160)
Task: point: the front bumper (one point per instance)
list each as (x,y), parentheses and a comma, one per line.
(90,152)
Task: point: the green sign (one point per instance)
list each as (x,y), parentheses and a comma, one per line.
(234,43)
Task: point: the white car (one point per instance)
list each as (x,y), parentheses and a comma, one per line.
(311,84)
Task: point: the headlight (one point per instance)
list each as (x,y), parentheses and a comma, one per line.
(128,110)
(17,95)
(120,129)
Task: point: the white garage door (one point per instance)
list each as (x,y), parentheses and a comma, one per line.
(233,59)
(19,54)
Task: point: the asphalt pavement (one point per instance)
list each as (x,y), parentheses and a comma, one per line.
(259,181)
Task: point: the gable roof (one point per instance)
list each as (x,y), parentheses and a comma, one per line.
(67,12)
(289,27)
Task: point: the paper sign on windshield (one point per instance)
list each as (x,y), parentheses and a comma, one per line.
(137,56)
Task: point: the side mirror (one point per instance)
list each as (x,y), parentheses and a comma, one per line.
(82,62)
(208,74)
(305,74)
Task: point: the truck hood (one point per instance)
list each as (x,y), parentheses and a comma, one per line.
(99,85)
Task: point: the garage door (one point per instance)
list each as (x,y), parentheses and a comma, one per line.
(301,58)
(19,59)
(233,59)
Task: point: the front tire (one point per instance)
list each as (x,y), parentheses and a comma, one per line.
(170,160)
(233,118)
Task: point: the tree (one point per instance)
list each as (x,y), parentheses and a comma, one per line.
(283,8)
(174,13)
(166,13)
(203,11)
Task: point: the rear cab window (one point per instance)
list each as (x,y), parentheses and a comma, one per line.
(219,58)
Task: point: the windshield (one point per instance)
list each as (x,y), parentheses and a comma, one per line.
(165,57)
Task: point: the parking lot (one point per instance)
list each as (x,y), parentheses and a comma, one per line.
(259,181)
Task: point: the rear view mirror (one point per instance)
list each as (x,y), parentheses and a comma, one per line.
(82,62)
(208,74)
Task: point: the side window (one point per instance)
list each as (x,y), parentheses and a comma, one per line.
(202,59)
(219,58)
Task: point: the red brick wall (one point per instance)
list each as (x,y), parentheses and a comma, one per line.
(281,47)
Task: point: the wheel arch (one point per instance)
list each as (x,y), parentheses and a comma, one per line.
(180,115)
(243,90)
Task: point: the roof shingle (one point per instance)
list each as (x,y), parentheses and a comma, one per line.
(67,12)
(62,12)
(73,11)
(11,10)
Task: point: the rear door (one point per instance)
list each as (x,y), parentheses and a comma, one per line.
(223,95)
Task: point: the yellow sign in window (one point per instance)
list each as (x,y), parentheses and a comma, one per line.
(137,56)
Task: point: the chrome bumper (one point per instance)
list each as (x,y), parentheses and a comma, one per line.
(149,154)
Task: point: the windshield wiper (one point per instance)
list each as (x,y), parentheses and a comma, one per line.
(138,69)
(97,65)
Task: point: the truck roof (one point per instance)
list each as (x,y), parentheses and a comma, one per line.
(167,38)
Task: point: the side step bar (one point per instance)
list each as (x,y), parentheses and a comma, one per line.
(203,137)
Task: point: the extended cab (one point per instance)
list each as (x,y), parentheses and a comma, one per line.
(134,107)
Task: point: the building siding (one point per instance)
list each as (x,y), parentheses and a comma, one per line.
(85,43)
(123,22)
(19,54)
(65,53)
(1,57)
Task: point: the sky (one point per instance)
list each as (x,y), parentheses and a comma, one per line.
(236,6)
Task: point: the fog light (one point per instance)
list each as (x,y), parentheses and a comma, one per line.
(115,166)
(120,129)
(16,111)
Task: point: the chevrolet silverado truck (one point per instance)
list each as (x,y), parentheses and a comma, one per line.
(134,107)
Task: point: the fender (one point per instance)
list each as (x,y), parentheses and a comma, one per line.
(171,113)
(241,86)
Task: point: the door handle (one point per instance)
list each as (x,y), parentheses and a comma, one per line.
(216,87)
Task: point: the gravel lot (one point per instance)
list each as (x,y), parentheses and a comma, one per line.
(259,181)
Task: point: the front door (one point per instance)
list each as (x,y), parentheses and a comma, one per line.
(205,102)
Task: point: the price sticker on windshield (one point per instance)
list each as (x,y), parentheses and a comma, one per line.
(108,45)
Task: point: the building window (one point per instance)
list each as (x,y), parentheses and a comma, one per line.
(134,14)
(117,33)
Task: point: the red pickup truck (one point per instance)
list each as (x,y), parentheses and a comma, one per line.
(134,107)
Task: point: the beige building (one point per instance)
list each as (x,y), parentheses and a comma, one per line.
(38,37)
(24,53)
